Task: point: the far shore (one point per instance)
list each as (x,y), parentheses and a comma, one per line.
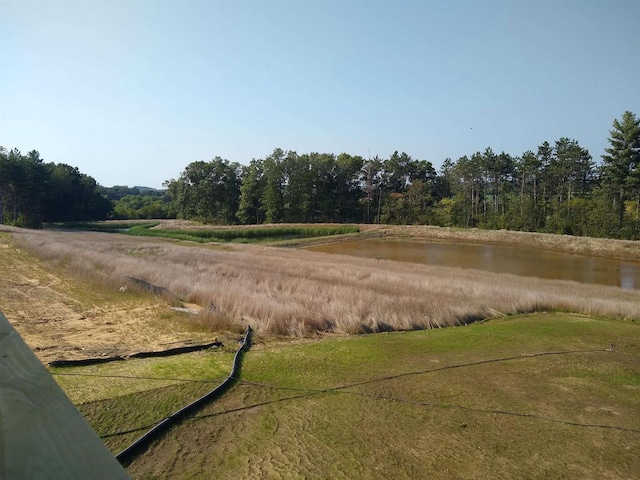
(598,247)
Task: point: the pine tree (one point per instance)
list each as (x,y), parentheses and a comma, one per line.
(621,169)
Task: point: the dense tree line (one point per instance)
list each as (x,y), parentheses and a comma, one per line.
(288,187)
(557,188)
(32,191)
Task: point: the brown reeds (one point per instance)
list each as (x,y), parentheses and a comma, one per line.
(295,292)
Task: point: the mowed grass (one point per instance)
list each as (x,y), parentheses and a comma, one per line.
(465,402)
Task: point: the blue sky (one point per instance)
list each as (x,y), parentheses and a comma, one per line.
(131,92)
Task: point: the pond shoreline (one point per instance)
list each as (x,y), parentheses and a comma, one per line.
(490,257)
(597,247)
(591,246)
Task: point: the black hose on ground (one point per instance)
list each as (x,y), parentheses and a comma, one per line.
(126,456)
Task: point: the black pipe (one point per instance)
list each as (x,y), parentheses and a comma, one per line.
(126,456)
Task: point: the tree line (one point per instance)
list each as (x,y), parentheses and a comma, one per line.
(33,192)
(555,188)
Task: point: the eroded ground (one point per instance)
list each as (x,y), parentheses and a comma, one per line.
(63,316)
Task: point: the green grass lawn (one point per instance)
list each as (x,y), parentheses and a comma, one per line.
(467,402)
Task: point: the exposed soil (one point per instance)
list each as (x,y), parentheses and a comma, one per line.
(62,316)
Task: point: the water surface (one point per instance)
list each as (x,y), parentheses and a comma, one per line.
(530,262)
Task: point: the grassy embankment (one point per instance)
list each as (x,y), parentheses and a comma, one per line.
(128,395)
(295,236)
(449,403)
(255,234)
(296,292)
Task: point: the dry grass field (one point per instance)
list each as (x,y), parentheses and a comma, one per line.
(296,292)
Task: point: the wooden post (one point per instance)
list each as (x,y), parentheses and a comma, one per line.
(42,434)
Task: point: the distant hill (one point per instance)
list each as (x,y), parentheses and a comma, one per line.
(118,191)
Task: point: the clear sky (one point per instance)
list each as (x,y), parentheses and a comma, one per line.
(131,92)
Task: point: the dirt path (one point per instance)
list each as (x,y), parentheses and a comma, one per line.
(65,317)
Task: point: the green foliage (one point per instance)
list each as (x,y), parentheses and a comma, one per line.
(250,209)
(272,195)
(243,235)
(621,169)
(109,227)
(557,188)
(209,191)
(32,192)
(238,235)
(143,207)
(118,191)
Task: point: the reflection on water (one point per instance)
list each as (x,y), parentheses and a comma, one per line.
(496,258)
(629,276)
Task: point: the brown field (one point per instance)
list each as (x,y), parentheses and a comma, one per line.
(282,291)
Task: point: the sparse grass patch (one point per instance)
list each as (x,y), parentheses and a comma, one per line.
(396,393)
(98,382)
(121,420)
(137,393)
(348,355)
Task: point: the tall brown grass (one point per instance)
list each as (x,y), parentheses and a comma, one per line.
(296,292)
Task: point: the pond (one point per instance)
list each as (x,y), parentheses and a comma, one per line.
(522,261)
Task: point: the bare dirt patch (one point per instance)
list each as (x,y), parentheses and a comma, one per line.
(62,316)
